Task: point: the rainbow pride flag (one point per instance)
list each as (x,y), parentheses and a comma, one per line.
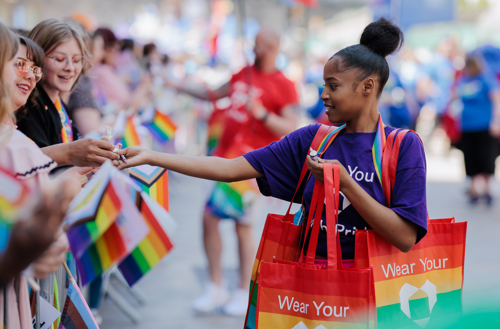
(162,127)
(85,205)
(82,236)
(153,248)
(116,231)
(107,250)
(129,136)
(76,313)
(153,181)
(119,240)
(423,286)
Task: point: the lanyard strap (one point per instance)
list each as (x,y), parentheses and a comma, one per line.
(377,148)
(323,130)
(67,130)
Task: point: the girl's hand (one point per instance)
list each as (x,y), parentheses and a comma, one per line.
(135,156)
(317,170)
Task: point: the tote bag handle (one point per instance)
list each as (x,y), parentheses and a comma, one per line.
(322,132)
(331,174)
(329,191)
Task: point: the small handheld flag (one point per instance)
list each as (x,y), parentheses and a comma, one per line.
(162,127)
(117,241)
(76,313)
(153,248)
(126,131)
(153,181)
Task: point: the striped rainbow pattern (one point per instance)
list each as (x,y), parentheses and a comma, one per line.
(67,130)
(82,236)
(328,140)
(271,245)
(149,252)
(76,313)
(378,148)
(230,200)
(101,255)
(429,277)
(153,181)
(162,128)
(130,136)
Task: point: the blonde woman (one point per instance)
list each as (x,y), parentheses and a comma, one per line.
(48,123)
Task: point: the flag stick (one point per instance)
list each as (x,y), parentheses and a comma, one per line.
(68,271)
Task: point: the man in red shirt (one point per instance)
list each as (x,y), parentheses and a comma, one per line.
(264,108)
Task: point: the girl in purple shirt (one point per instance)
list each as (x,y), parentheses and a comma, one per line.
(354,78)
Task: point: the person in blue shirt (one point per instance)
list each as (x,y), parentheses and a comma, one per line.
(479,94)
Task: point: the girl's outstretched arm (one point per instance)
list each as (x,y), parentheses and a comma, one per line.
(213,168)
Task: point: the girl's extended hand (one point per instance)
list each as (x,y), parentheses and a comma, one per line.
(134,155)
(317,170)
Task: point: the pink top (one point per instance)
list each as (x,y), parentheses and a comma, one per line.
(24,158)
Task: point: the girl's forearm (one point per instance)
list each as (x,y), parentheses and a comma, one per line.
(212,168)
(398,231)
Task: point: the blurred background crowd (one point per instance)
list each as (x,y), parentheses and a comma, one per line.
(149,46)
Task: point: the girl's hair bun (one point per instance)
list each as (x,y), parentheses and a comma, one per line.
(382,36)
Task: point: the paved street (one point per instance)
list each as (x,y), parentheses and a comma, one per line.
(177,281)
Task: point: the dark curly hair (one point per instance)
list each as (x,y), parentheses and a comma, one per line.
(378,40)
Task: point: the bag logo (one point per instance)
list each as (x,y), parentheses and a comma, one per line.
(301,325)
(404,299)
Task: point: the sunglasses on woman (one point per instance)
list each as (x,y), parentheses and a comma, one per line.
(23,68)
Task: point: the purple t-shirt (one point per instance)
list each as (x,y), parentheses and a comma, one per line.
(281,163)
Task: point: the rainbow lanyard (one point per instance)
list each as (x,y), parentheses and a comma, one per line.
(66,131)
(377,149)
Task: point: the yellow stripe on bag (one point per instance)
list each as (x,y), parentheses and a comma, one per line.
(387,291)
(274,321)
(254,269)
